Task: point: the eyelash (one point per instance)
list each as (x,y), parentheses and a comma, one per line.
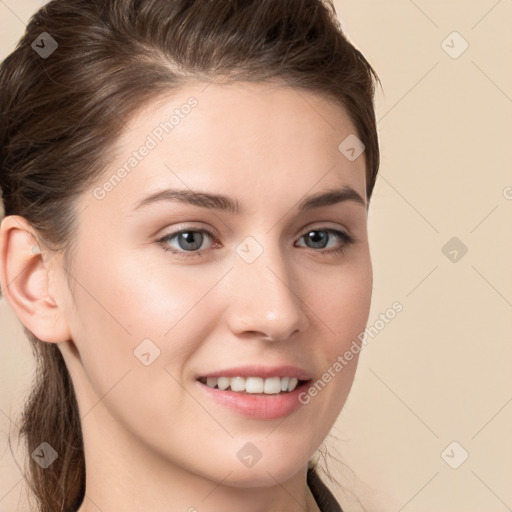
(345,237)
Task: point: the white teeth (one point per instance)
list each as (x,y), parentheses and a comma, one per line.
(211,381)
(270,386)
(238,384)
(223,382)
(254,385)
(292,384)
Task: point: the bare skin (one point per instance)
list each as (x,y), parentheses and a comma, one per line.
(154,440)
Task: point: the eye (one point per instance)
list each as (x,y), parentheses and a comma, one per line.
(188,240)
(191,241)
(319,238)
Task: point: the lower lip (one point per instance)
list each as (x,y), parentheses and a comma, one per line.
(258,405)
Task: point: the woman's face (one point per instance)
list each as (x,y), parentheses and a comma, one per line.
(263,291)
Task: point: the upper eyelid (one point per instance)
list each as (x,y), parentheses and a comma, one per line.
(213,232)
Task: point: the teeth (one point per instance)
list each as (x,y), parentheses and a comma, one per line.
(270,386)
(211,381)
(292,384)
(237,384)
(254,385)
(223,382)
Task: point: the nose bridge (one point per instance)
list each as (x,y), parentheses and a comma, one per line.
(268,300)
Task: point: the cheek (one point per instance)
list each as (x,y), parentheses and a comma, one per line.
(138,307)
(342,302)
(341,305)
(135,334)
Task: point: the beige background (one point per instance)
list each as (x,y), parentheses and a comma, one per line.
(440,371)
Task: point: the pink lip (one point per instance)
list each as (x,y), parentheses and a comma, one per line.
(256,406)
(261,371)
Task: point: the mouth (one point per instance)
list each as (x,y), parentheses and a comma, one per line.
(255,385)
(256,398)
(255,391)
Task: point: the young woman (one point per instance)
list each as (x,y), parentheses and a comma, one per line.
(186,186)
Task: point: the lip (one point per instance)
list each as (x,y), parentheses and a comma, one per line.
(258,405)
(261,371)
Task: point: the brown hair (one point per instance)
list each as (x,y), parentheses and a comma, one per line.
(61,113)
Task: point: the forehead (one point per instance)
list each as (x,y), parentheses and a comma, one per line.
(250,138)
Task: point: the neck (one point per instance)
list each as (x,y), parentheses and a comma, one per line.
(123,473)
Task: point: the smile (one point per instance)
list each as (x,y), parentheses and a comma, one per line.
(268,386)
(260,399)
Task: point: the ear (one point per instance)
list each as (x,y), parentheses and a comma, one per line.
(25,281)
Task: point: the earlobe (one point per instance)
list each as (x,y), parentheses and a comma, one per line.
(24,278)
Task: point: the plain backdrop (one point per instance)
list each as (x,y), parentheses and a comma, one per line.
(433,385)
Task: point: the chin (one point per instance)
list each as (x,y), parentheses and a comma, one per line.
(266,473)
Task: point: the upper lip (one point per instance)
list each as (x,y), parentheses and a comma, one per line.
(261,371)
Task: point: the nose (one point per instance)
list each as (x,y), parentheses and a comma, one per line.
(266,301)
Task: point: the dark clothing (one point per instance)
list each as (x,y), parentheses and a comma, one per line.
(323,496)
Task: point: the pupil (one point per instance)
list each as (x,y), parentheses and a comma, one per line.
(317,239)
(188,237)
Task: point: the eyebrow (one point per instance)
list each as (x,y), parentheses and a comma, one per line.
(225,203)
